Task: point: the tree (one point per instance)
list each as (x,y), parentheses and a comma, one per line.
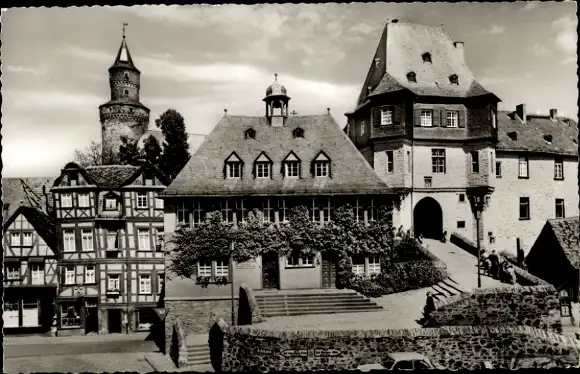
(128,152)
(175,147)
(94,156)
(152,150)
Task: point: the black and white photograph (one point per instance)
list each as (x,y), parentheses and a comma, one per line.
(290,187)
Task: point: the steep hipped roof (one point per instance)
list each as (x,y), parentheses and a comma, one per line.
(111,176)
(13,192)
(529,136)
(41,222)
(404,45)
(194,140)
(123,59)
(204,173)
(567,232)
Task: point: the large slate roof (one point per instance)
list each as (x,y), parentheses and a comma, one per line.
(567,232)
(110,176)
(13,192)
(204,173)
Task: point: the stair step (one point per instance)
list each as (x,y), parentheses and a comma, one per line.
(318,306)
(334,311)
(453,287)
(198,350)
(318,302)
(370,307)
(444,290)
(198,362)
(311,297)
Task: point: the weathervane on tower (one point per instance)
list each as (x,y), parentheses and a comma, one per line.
(125,24)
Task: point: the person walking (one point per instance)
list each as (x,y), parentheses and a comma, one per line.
(429,308)
(512,274)
(494,263)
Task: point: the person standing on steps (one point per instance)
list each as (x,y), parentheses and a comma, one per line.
(494,264)
(429,308)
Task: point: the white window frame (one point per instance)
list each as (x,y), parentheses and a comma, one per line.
(438,154)
(358,209)
(282,210)
(523,167)
(386,116)
(159,203)
(142,200)
(15,239)
(558,169)
(374,265)
(114,282)
(108,205)
(87,239)
(90,274)
(159,238)
(144,239)
(160,282)
(69,241)
(390,161)
(70,275)
(262,170)
(493,119)
(66,200)
(453,119)
(204,268)
(292,169)
(12,271)
(426,118)
(327,210)
(183,218)
(198,213)
(76,320)
(314,211)
(474,162)
(321,169)
(267,211)
(222,268)
(27,238)
(562,204)
(527,203)
(300,262)
(37,273)
(358,268)
(373,211)
(84,200)
(144,284)
(233,170)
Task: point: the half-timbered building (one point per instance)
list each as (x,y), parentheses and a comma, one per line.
(109,229)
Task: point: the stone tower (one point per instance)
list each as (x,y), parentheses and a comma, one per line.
(123,115)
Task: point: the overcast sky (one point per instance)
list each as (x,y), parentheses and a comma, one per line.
(202,59)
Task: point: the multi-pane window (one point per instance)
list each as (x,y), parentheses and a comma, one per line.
(390,161)
(144,240)
(90,274)
(452,119)
(110,203)
(37,273)
(386,116)
(222,268)
(66,200)
(15,239)
(292,169)
(144,284)
(69,241)
(358,265)
(267,210)
(84,200)
(498,169)
(113,282)
(159,239)
(112,239)
(141,200)
(314,211)
(262,170)
(283,210)
(241,210)
(233,170)
(159,203)
(26,238)
(321,169)
(523,167)
(204,268)
(295,261)
(327,209)
(227,211)
(182,214)
(198,214)
(87,239)
(426,118)
(438,160)
(12,271)
(145,318)
(69,275)
(475,162)
(70,314)
(160,281)
(358,210)
(524,208)
(558,168)
(560,213)
(373,212)
(374,265)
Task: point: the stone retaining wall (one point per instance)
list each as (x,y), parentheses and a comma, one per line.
(510,306)
(178,345)
(460,347)
(248,309)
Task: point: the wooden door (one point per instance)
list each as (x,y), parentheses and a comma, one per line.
(329,263)
(270,270)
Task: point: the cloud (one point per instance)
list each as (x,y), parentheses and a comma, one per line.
(494,30)
(538,50)
(569,60)
(531,5)
(567,38)
(25,70)
(49,100)
(492,80)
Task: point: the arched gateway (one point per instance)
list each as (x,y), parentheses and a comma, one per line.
(428,218)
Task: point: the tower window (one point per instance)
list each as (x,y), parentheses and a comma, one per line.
(126,92)
(126,76)
(412,77)
(454,79)
(427,57)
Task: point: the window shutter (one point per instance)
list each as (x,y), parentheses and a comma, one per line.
(443,118)
(154,283)
(436,118)
(417,117)
(376,117)
(62,274)
(396,115)
(461,117)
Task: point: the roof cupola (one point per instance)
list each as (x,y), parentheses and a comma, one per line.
(276,103)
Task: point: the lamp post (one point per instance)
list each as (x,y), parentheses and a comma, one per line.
(232,280)
(478,197)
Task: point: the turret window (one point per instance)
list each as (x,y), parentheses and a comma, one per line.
(126,92)
(426,118)
(386,116)
(454,79)
(126,76)
(412,77)
(426,57)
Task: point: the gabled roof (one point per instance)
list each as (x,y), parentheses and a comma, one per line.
(194,140)
(567,232)
(530,135)
(203,174)
(123,58)
(14,191)
(41,222)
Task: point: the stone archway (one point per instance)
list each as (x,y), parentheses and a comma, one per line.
(428,218)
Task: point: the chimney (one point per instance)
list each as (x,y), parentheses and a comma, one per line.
(521,112)
(553,114)
(459,47)
(395,21)
(328,110)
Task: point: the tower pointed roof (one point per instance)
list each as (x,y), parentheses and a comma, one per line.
(123,58)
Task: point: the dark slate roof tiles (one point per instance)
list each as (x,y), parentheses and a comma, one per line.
(111,176)
(567,232)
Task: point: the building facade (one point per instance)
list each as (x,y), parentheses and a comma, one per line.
(109,230)
(271,163)
(427,127)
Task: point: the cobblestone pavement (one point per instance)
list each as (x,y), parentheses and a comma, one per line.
(92,363)
(163,363)
(28,340)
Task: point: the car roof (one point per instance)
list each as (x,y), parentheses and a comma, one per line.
(406,356)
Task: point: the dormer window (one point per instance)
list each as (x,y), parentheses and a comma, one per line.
(548,139)
(250,134)
(321,165)
(233,167)
(298,133)
(262,166)
(513,135)
(427,57)
(454,79)
(412,77)
(110,203)
(291,166)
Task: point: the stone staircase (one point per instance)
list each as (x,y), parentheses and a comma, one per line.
(446,288)
(280,303)
(198,354)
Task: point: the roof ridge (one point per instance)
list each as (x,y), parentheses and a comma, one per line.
(115,165)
